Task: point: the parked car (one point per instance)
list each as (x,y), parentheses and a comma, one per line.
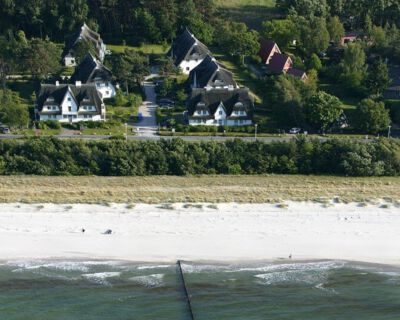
(165,101)
(140,116)
(5,130)
(295,130)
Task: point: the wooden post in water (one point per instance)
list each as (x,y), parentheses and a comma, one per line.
(189,304)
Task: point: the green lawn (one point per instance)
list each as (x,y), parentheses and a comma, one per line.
(241,3)
(146,48)
(241,74)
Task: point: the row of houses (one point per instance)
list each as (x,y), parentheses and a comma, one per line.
(215,99)
(81,97)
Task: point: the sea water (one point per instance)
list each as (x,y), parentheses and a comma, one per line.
(118,290)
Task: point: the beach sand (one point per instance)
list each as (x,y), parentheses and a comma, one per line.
(222,232)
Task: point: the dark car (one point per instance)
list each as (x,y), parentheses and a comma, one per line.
(140,116)
(166,101)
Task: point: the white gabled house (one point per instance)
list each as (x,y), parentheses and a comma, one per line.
(69,103)
(90,37)
(90,70)
(220,107)
(209,75)
(187,52)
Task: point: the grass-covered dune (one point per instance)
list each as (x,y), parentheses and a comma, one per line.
(211,189)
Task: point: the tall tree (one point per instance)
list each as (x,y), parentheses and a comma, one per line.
(283,32)
(378,79)
(353,66)
(372,117)
(42,58)
(323,110)
(335,29)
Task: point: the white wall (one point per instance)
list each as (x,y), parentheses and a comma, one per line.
(106,89)
(188,66)
(69,61)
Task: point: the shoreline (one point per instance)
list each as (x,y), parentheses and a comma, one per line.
(223,233)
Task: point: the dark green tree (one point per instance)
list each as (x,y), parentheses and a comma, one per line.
(323,110)
(372,117)
(378,79)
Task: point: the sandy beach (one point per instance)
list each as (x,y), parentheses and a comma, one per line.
(221,232)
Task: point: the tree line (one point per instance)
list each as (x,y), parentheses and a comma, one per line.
(150,20)
(50,156)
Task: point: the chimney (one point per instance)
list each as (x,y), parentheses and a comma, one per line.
(78,83)
(57,83)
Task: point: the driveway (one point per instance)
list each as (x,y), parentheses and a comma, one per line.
(148,125)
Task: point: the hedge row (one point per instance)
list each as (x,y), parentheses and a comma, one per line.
(51,156)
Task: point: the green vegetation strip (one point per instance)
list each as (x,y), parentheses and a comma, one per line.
(210,189)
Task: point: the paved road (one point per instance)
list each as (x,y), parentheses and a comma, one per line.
(143,137)
(148,126)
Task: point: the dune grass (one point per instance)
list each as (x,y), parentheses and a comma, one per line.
(210,189)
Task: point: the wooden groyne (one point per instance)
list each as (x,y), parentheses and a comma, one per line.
(187,297)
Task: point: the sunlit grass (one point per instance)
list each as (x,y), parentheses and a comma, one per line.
(210,189)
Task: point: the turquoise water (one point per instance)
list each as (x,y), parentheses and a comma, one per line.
(118,290)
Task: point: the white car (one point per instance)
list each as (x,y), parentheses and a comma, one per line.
(295,130)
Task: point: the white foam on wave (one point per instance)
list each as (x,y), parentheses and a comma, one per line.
(309,273)
(82,266)
(149,281)
(150,267)
(198,268)
(101,277)
(320,265)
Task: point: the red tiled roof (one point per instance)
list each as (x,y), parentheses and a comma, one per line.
(278,62)
(297,72)
(266,47)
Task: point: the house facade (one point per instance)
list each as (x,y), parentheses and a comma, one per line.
(220,107)
(69,103)
(187,52)
(92,71)
(90,37)
(209,75)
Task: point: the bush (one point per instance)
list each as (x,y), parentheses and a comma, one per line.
(116,157)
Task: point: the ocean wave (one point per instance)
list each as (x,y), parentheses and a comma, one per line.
(292,276)
(82,266)
(150,267)
(101,277)
(306,266)
(149,281)
(199,268)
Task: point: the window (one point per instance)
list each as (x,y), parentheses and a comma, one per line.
(187,68)
(75,116)
(69,99)
(72,60)
(241,121)
(220,121)
(236,122)
(242,113)
(65,116)
(69,108)
(220,112)
(107,92)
